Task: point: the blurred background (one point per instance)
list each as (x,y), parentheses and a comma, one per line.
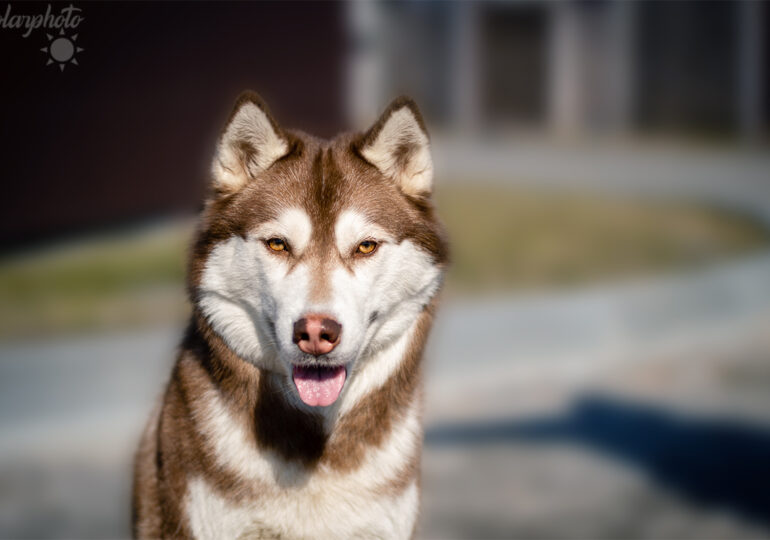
(601,364)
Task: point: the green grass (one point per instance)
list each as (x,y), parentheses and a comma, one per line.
(502,239)
(119,280)
(512,239)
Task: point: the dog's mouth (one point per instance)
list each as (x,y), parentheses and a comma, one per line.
(319,386)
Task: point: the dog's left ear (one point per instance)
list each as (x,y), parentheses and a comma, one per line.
(398,145)
(250,143)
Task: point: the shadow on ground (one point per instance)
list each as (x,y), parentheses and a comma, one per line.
(711,462)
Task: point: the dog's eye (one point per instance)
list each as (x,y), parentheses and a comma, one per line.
(276,244)
(366,247)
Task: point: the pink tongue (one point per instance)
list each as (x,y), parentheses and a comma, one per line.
(319,387)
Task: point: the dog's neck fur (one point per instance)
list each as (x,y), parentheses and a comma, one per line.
(336,436)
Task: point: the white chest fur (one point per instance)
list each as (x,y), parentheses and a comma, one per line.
(289,501)
(302,513)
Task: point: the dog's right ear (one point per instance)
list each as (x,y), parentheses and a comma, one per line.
(250,143)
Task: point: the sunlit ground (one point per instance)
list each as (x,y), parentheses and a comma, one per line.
(502,239)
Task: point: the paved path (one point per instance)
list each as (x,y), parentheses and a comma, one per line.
(573,335)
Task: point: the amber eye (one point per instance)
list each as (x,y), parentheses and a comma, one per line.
(366,247)
(276,244)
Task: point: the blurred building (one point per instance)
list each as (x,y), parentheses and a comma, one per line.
(567,67)
(126,134)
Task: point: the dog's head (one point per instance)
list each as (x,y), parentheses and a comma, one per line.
(312,255)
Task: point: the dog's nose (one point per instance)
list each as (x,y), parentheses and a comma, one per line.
(317,334)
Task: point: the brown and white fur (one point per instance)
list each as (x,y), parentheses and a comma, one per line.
(234,451)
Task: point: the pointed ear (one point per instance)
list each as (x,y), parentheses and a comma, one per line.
(398,146)
(250,143)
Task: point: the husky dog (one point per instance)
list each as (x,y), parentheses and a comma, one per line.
(294,407)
